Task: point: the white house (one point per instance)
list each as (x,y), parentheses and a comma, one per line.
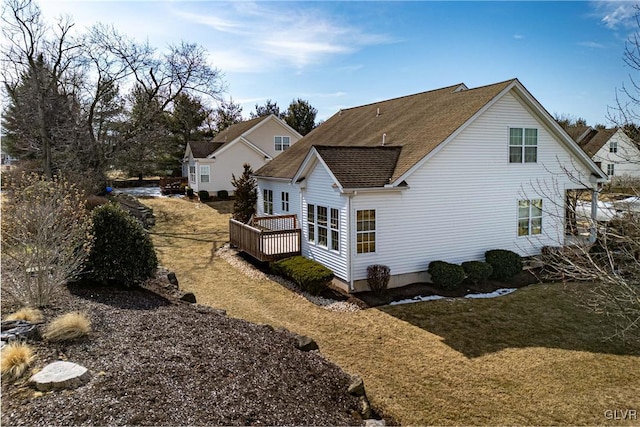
(211,164)
(617,154)
(441,175)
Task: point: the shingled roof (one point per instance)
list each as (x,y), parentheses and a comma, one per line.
(360,167)
(201,149)
(417,123)
(236,130)
(595,142)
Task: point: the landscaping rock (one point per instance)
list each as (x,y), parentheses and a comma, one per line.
(60,375)
(365,407)
(357,386)
(205,309)
(305,343)
(188,297)
(374,423)
(171,277)
(17,330)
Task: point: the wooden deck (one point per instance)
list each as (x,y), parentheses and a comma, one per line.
(267,238)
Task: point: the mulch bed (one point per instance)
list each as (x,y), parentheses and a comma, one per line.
(157,361)
(370,299)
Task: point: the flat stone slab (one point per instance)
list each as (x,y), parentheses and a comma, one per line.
(60,375)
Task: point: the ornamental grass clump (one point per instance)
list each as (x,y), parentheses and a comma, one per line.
(67,327)
(15,359)
(122,251)
(31,315)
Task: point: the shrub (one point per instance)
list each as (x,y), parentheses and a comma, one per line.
(378,277)
(67,327)
(32,315)
(45,238)
(505,263)
(477,271)
(446,275)
(122,250)
(190,192)
(310,275)
(203,195)
(223,194)
(15,359)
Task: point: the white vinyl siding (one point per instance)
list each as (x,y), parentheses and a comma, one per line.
(463,200)
(625,160)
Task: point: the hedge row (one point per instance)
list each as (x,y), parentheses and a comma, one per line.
(500,265)
(310,275)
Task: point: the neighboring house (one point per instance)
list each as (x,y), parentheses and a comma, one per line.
(612,149)
(7,161)
(441,175)
(209,165)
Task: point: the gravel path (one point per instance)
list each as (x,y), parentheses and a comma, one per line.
(155,361)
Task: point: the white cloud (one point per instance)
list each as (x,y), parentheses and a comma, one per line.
(591,44)
(292,34)
(518,36)
(615,14)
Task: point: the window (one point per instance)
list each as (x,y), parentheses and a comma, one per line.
(322,226)
(613,147)
(267,201)
(529,217)
(523,145)
(285,201)
(365,231)
(311,222)
(192,174)
(281,142)
(611,170)
(205,171)
(335,229)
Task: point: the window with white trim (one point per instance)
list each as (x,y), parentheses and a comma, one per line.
(267,201)
(613,147)
(311,223)
(281,142)
(529,217)
(611,169)
(205,172)
(523,145)
(334,225)
(192,174)
(285,201)
(321,224)
(366,231)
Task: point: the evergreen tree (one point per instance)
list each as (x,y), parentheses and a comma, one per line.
(227,114)
(301,116)
(246,195)
(267,109)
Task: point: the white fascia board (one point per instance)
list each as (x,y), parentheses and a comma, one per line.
(385,189)
(239,139)
(310,161)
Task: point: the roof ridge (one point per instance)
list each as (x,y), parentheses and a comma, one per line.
(403,96)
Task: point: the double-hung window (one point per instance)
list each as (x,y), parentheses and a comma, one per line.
(613,147)
(529,217)
(322,226)
(366,231)
(334,225)
(205,172)
(267,201)
(311,222)
(281,142)
(285,201)
(523,145)
(192,174)
(611,169)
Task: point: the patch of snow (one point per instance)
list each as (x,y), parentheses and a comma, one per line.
(143,192)
(494,294)
(606,211)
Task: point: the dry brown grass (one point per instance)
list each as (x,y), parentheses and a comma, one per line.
(519,359)
(15,359)
(67,327)
(29,314)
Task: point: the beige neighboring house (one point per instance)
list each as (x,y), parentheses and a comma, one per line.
(209,165)
(612,149)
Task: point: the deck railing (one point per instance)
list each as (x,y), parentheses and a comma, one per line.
(265,244)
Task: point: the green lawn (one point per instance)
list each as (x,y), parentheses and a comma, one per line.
(533,357)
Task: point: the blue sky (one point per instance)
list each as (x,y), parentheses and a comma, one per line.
(343,54)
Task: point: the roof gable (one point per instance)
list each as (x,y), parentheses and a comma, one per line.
(597,140)
(201,149)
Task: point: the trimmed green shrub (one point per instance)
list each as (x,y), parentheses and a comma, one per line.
(190,192)
(122,251)
(378,277)
(204,196)
(446,275)
(477,271)
(223,194)
(505,263)
(310,275)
